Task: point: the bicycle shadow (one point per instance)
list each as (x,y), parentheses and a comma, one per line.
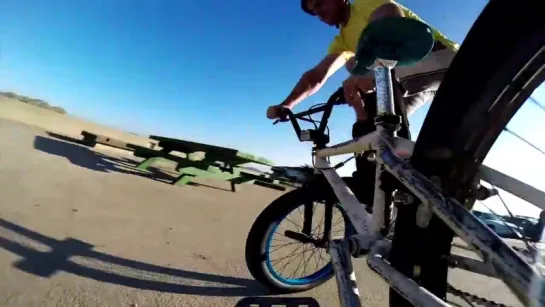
(113,269)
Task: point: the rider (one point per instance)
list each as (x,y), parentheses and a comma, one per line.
(420,81)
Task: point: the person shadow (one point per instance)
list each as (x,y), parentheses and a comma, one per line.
(79,258)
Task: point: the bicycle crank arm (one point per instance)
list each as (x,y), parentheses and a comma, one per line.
(299,236)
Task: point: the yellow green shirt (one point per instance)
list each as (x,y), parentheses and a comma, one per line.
(360,10)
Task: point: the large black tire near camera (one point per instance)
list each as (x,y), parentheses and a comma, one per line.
(503,56)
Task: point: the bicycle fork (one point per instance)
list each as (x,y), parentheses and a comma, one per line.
(341,251)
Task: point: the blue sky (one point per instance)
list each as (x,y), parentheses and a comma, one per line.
(204,71)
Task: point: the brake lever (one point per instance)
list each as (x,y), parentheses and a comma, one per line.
(281,120)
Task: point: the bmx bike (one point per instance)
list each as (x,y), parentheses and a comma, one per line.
(432,183)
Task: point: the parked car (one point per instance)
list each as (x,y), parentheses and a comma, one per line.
(499,225)
(527,223)
(296,174)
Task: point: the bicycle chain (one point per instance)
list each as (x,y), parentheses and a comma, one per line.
(529,255)
(473,298)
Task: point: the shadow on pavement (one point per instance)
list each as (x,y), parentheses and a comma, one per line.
(80,155)
(112,269)
(84,157)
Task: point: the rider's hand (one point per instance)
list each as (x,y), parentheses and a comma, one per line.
(353,87)
(275,111)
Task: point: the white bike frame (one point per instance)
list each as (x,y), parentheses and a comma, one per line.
(392,155)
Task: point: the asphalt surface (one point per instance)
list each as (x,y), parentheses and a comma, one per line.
(80,228)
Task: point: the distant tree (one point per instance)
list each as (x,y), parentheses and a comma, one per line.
(58,110)
(33,101)
(9,94)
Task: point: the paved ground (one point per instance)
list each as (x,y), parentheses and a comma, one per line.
(81,229)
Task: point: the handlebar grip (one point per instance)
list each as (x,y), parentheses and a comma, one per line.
(284,113)
(281,120)
(284,116)
(338,97)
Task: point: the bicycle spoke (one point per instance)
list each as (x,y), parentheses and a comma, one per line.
(291,256)
(284,245)
(299,264)
(319,224)
(296,226)
(337,223)
(321,257)
(524,140)
(317,259)
(533,100)
(307,261)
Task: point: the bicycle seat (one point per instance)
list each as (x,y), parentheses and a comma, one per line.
(404,40)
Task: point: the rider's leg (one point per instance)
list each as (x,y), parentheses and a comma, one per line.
(364,176)
(420,86)
(422,80)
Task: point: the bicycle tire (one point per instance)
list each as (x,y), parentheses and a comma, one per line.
(505,54)
(257,244)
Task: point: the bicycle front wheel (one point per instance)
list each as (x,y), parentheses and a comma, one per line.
(285,264)
(500,63)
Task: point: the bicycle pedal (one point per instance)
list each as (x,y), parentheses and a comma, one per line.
(423,215)
(484,193)
(402,198)
(299,236)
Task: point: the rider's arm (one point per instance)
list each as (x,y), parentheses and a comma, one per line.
(387,9)
(350,64)
(313,79)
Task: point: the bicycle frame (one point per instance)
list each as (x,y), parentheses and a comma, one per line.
(499,259)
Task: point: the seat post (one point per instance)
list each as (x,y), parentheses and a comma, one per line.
(386,122)
(385,88)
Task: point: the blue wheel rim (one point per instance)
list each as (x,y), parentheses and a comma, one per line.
(318,275)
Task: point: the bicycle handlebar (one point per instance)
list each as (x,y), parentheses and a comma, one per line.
(336,98)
